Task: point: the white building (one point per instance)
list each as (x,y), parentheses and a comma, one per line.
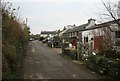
(101,35)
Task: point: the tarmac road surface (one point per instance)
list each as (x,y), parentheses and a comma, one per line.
(42,62)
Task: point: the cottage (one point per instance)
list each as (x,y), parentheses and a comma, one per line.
(95,37)
(75,34)
(105,36)
(47,33)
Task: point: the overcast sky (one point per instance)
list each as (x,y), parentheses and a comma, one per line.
(46,15)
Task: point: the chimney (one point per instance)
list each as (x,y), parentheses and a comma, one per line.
(91,21)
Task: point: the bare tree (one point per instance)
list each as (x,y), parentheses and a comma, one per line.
(112,11)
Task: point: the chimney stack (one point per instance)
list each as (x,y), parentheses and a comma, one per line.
(91,23)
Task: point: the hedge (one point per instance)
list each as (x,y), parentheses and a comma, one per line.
(104,65)
(15,36)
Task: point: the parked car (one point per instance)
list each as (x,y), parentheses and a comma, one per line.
(45,41)
(57,44)
(31,39)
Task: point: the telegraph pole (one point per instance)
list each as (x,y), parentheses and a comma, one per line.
(26,21)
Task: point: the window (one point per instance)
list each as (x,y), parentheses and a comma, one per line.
(91,38)
(85,39)
(70,34)
(75,33)
(117,34)
(117,43)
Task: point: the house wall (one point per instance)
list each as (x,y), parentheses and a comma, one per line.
(102,36)
(73,34)
(116,37)
(95,36)
(74,37)
(45,35)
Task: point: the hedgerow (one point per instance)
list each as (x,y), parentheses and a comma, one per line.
(15,36)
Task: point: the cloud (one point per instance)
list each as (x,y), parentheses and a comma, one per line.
(54,14)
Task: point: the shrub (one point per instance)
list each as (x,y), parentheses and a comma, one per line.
(49,44)
(71,53)
(114,69)
(41,38)
(92,59)
(104,65)
(74,54)
(15,36)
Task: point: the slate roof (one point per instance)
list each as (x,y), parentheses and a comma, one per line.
(106,24)
(48,32)
(78,28)
(82,27)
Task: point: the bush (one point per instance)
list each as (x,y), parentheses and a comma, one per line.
(71,53)
(41,38)
(98,64)
(10,75)
(15,36)
(92,59)
(102,62)
(49,44)
(114,69)
(74,54)
(104,65)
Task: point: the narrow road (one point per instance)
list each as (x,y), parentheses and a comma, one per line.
(42,62)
